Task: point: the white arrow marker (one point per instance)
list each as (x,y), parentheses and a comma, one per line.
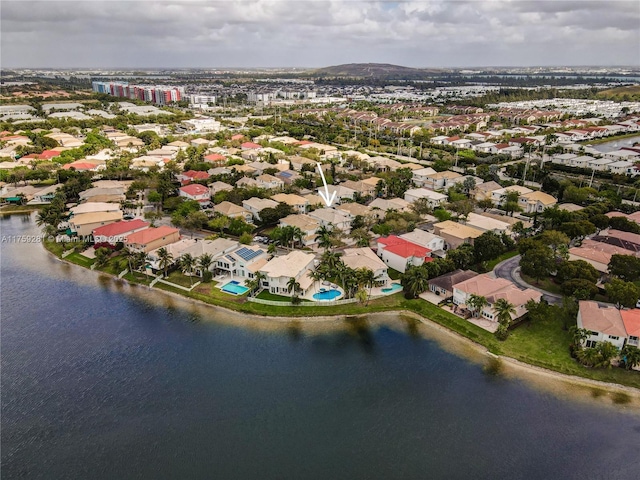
(328,199)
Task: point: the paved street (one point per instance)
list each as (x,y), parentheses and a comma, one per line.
(510,270)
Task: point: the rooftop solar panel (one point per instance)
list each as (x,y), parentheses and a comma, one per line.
(246,253)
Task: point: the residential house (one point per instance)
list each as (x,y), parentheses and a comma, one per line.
(118,231)
(298,162)
(364,257)
(269,182)
(536,202)
(243,262)
(434,199)
(499,196)
(279,270)
(232,210)
(288,176)
(456,234)
(332,218)
(299,204)
(443,285)
(93,207)
(598,254)
(355,209)
(631,321)
(441,180)
(384,205)
(175,250)
(342,193)
(399,253)
(603,322)
(152,238)
(433,242)
(215,248)
(83,224)
(46,194)
(493,289)
(485,190)
(197,192)
(255,205)
(487,224)
(190,176)
(364,189)
(248,182)
(309,226)
(216,187)
(420,177)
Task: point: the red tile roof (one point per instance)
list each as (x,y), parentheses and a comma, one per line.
(237,136)
(631,320)
(194,189)
(215,157)
(46,154)
(250,146)
(118,228)
(196,175)
(404,248)
(80,166)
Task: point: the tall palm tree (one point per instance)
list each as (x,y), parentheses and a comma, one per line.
(187,262)
(477,303)
(204,262)
(297,235)
(165,260)
(260,277)
(316,275)
(504,309)
(368,279)
(324,237)
(293,287)
(331,260)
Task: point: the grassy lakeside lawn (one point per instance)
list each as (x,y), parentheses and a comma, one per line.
(8,209)
(80,260)
(544,344)
(264,295)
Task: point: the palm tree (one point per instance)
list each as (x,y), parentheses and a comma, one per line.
(415,281)
(293,286)
(630,356)
(297,235)
(204,262)
(272,249)
(476,303)
(368,279)
(187,262)
(579,335)
(331,260)
(260,277)
(504,309)
(316,275)
(165,259)
(130,256)
(324,237)
(362,295)
(607,352)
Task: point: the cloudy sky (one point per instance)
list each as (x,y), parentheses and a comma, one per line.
(270,33)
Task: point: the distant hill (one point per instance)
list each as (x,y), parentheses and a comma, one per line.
(372,70)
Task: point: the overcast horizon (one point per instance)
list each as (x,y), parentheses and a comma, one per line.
(305,34)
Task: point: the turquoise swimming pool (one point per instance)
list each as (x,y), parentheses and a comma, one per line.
(327,295)
(234,288)
(393,288)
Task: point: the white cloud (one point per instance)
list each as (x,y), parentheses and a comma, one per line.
(309,33)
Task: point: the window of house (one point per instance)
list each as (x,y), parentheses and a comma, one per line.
(594,333)
(613,338)
(591,343)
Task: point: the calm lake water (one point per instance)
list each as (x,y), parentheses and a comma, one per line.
(614,145)
(101,380)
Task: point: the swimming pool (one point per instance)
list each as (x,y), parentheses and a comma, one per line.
(393,288)
(327,295)
(234,288)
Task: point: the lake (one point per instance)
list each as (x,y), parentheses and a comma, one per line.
(614,145)
(101,380)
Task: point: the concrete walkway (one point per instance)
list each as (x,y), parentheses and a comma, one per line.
(510,270)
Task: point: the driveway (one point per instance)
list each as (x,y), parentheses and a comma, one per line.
(510,270)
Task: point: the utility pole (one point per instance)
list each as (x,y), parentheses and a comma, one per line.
(593,172)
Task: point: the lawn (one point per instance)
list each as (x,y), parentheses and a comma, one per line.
(80,260)
(180,279)
(393,274)
(545,284)
(505,256)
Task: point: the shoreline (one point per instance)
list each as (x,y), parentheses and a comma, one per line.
(466,347)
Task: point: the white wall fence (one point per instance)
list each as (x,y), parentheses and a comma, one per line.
(332,303)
